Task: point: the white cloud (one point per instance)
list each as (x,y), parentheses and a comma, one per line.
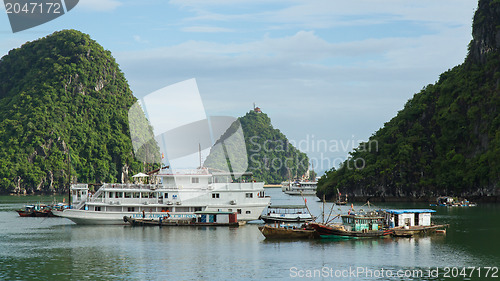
(308,80)
(328,13)
(207,29)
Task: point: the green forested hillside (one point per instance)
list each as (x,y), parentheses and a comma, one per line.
(446,140)
(271,158)
(63,94)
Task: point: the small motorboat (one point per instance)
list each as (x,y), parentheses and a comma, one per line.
(28,211)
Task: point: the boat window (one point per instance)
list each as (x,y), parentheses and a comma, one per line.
(145,195)
(97,208)
(111,194)
(119,195)
(238,211)
(197,209)
(165,195)
(215,195)
(248,212)
(131,209)
(136,194)
(195,180)
(152,195)
(230,210)
(249,195)
(128,194)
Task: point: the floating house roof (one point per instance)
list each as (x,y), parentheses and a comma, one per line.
(407,211)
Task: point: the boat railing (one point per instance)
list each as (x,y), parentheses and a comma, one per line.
(79,186)
(131,186)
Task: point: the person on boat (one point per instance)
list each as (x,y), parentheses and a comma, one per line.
(143,214)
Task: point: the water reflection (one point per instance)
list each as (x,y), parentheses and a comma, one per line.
(57,249)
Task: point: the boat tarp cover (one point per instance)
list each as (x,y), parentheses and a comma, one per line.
(405,211)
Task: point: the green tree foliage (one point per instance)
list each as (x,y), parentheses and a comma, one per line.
(446,140)
(271,158)
(63,99)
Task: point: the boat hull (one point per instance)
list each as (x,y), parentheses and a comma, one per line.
(303,192)
(416,230)
(95,217)
(23,213)
(282,233)
(169,222)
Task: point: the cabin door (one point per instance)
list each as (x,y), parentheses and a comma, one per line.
(417,221)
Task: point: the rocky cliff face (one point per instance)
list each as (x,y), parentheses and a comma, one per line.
(445,141)
(485,31)
(265,151)
(63,113)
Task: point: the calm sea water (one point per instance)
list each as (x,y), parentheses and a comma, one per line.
(57,249)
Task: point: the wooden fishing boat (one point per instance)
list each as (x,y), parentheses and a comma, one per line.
(203,218)
(28,211)
(287,232)
(340,232)
(416,230)
(44,211)
(40,210)
(410,222)
(447,201)
(353,226)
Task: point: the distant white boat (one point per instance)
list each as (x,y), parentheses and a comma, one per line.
(178,196)
(299,187)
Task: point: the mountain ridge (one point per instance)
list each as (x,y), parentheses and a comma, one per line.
(63,109)
(269,155)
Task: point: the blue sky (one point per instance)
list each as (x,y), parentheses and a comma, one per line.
(323,70)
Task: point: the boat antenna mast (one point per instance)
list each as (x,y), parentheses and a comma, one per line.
(69,179)
(199,153)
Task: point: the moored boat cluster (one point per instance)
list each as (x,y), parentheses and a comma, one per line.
(375,224)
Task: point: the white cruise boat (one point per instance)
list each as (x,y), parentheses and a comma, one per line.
(299,187)
(177,196)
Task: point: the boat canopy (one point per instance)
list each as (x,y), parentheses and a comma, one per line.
(406,211)
(140,175)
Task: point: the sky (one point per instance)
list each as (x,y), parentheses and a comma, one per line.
(328,73)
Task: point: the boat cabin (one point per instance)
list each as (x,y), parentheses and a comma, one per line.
(216,217)
(287,209)
(408,217)
(362,223)
(286,213)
